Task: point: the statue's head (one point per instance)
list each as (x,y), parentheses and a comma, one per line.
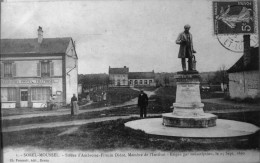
(187,28)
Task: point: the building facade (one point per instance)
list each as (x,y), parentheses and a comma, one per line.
(121,77)
(244,78)
(118,77)
(142,79)
(33,71)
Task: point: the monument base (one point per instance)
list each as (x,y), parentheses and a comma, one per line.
(192,121)
(188,109)
(226,131)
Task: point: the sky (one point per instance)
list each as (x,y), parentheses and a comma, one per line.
(139,34)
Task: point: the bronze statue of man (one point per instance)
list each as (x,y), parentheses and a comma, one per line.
(186,48)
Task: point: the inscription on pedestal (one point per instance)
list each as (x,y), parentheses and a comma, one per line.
(187,87)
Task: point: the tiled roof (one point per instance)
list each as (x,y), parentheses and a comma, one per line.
(141,75)
(22,46)
(124,70)
(253,65)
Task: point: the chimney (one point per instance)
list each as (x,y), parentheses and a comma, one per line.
(247,54)
(40,35)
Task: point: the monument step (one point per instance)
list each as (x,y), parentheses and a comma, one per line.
(202,120)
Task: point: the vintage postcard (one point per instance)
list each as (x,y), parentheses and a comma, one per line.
(130,81)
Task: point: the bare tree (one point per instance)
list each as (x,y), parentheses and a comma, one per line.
(220,77)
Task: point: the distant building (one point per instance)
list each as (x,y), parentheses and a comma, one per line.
(118,77)
(121,77)
(141,78)
(244,77)
(33,70)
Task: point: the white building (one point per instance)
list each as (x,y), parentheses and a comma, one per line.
(121,77)
(244,79)
(33,70)
(118,77)
(142,79)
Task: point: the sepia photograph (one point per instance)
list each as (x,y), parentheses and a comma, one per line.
(133,81)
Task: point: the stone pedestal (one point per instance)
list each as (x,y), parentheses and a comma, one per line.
(188,109)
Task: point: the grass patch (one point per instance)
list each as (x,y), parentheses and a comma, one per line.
(217,107)
(166,91)
(247,100)
(120,95)
(115,96)
(207,95)
(162,101)
(148,88)
(249,117)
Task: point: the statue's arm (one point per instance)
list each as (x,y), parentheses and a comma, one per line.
(178,41)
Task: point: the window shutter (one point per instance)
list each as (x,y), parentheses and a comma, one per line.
(2,70)
(51,69)
(14,69)
(39,69)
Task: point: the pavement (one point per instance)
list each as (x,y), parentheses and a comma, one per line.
(67,111)
(223,129)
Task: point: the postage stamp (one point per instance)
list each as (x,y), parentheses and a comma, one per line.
(232,20)
(234,17)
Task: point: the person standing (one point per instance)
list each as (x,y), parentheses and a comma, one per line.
(51,102)
(142,103)
(186,48)
(74,98)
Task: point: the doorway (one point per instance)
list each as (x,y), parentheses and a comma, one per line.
(24,97)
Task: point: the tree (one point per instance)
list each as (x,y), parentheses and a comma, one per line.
(89,80)
(221,76)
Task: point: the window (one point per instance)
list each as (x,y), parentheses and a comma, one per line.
(145,81)
(141,82)
(150,81)
(45,69)
(40,94)
(118,82)
(11,94)
(130,82)
(136,82)
(8,94)
(8,69)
